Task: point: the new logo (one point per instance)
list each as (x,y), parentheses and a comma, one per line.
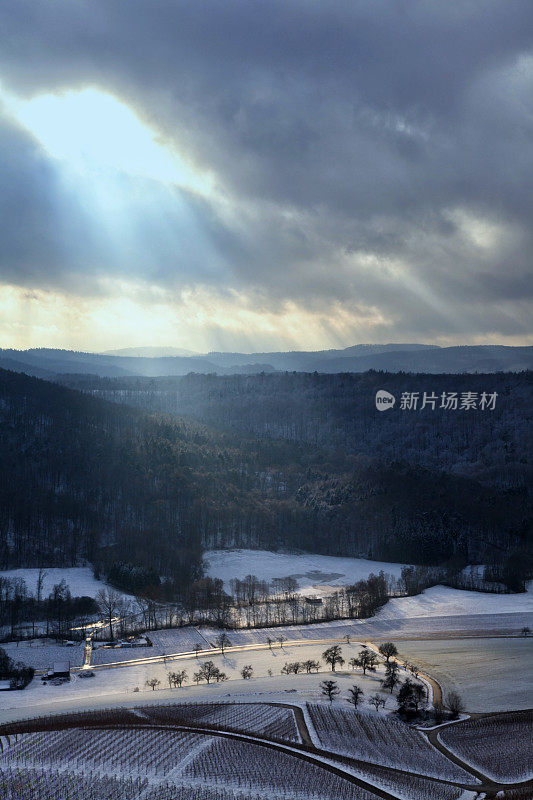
(384,400)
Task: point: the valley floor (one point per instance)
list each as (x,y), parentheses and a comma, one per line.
(181,744)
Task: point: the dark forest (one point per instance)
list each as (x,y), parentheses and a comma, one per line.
(212,461)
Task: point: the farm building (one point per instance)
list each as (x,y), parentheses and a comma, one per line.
(61,670)
(313,600)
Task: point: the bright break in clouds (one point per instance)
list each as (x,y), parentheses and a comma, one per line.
(241,175)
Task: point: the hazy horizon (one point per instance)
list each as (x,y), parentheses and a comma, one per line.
(180,352)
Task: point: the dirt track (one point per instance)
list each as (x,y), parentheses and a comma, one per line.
(435,686)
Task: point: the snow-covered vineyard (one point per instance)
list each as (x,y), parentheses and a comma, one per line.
(381,740)
(158,765)
(142,754)
(268,720)
(500,746)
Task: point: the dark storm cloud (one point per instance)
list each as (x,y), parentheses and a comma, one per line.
(357,141)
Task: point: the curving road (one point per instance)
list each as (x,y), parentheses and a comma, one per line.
(436,688)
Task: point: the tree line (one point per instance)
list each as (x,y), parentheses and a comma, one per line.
(35,614)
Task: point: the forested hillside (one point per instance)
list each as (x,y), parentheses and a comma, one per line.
(89,479)
(338,412)
(84,479)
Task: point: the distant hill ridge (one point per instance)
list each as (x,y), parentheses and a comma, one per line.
(154,362)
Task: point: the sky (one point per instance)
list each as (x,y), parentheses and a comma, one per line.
(265,174)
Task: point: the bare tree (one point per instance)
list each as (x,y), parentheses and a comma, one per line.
(292,668)
(177,678)
(410,697)
(108,601)
(123,610)
(377,701)
(143,604)
(247,672)
(330,690)
(153,682)
(40,581)
(310,664)
(419,696)
(388,649)
(366,660)
(223,641)
(455,703)
(438,711)
(355,694)
(333,656)
(392,678)
(181,677)
(209,671)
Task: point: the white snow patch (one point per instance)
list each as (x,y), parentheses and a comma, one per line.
(442,601)
(492,674)
(80,580)
(314,573)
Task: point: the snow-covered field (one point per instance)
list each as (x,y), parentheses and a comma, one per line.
(262,718)
(314,573)
(407,786)
(276,775)
(165,642)
(325,630)
(458,626)
(382,626)
(117,655)
(130,764)
(442,601)
(80,580)
(178,640)
(116,685)
(43,653)
(489,674)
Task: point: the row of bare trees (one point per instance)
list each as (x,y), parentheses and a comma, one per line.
(252,603)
